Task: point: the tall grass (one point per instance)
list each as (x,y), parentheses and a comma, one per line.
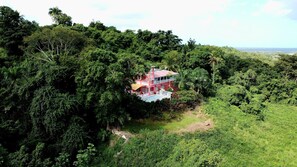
(238,138)
(244,141)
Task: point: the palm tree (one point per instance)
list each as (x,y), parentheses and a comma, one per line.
(182,79)
(213,60)
(54,11)
(59,17)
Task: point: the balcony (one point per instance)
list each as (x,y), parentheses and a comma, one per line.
(163,81)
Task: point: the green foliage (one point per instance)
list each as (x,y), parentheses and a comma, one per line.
(51,43)
(19,158)
(63,160)
(244,141)
(102,80)
(249,103)
(188,97)
(13,28)
(198,58)
(196,79)
(173,60)
(147,150)
(75,136)
(36,159)
(98,25)
(293,98)
(286,65)
(254,107)
(49,109)
(265,58)
(169,121)
(278,90)
(71,85)
(235,94)
(246,79)
(3,57)
(192,153)
(84,157)
(60,18)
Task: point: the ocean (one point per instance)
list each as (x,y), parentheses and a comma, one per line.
(290,51)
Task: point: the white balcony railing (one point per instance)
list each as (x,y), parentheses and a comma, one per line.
(145,82)
(163,81)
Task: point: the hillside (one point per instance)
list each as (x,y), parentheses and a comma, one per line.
(65,86)
(237,139)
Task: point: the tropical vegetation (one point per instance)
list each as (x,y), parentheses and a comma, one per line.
(64,88)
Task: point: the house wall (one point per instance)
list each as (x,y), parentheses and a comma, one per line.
(157,87)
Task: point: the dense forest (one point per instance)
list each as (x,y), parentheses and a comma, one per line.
(64,87)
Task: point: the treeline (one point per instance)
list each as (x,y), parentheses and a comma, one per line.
(64,85)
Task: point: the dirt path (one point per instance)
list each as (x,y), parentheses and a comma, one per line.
(198,126)
(204,123)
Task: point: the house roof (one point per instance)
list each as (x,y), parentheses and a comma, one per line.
(135,86)
(163,73)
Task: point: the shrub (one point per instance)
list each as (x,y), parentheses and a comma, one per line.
(234,94)
(185,98)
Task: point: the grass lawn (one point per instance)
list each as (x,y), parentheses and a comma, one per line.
(180,121)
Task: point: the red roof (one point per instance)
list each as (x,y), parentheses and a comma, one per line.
(163,73)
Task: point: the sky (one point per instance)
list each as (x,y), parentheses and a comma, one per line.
(233,23)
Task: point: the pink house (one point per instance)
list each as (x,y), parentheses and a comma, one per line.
(156,82)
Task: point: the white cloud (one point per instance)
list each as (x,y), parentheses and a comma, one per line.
(217,22)
(277,8)
(144,13)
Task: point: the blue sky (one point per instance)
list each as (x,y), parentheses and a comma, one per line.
(235,23)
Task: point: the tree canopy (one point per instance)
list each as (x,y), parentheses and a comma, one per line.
(65,85)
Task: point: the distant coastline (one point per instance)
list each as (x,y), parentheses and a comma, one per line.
(290,51)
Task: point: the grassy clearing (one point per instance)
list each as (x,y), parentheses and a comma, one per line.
(239,138)
(170,122)
(244,141)
(264,57)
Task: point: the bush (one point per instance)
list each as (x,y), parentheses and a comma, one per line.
(235,94)
(147,150)
(183,99)
(192,153)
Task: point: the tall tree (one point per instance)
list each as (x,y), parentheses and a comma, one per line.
(196,79)
(287,66)
(52,43)
(13,28)
(213,60)
(173,60)
(59,17)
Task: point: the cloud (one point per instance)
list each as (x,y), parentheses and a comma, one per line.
(293,6)
(216,22)
(277,8)
(145,13)
(165,14)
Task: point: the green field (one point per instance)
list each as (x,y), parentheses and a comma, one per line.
(239,138)
(244,141)
(169,122)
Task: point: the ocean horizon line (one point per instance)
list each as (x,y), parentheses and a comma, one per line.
(268,50)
